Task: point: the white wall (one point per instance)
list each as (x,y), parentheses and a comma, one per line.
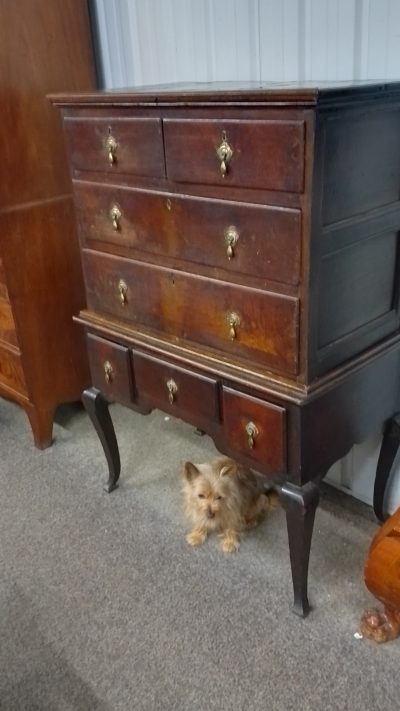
(161,41)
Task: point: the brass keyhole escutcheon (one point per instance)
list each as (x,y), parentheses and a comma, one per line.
(172,389)
(115,217)
(231,238)
(224,153)
(108,371)
(111,148)
(123,291)
(251,432)
(233,321)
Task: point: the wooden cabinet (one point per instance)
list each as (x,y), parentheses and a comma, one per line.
(242,246)
(43,362)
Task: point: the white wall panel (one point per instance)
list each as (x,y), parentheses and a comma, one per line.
(162,41)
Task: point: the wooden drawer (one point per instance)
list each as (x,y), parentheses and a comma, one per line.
(138,145)
(7,324)
(265,154)
(266,240)
(110,368)
(174,389)
(256,429)
(11,371)
(196,309)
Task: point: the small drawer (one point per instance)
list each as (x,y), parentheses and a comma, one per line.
(7,324)
(110,368)
(116,145)
(174,389)
(256,429)
(260,240)
(255,325)
(11,370)
(260,154)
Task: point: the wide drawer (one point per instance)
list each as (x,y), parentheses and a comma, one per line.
(255,428)
(174,389)
(250,239)
(11,371)
(116,145)
(265,154)
(110,369)
(7,324)
(249,323)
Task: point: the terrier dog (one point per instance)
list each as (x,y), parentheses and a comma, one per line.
(225,496)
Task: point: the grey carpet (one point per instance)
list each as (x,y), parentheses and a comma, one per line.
(103,606)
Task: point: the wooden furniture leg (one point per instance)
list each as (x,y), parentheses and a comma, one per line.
(300,504)
(389,448)
(97,408)
(382,578)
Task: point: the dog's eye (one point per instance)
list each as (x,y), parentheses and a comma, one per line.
(201,496)
(218,498)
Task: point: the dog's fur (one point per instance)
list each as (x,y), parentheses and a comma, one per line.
(225,496)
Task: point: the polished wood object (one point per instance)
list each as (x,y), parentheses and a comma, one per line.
(45,46)
(240,253)
(382,578)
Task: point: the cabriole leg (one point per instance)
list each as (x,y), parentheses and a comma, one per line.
(97,408)
(300,504)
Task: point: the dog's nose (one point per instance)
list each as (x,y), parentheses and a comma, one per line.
(210,513)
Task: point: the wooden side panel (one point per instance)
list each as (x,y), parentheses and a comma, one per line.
(362,158)
(7,324)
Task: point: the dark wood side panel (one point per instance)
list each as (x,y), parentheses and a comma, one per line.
(357,286)
(194,229)
(367,174)
(265,154)
(138,144)
(197,309)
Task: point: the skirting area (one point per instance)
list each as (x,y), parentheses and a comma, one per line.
(103,606)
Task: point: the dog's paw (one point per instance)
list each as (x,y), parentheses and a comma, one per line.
(230,544)
(196,538)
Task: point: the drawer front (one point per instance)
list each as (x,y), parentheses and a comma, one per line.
(11,371)
(7,324)
(250,323)
(248,239)
(265,154)
(111,369)
(138,146)
(256,429)
(174,389)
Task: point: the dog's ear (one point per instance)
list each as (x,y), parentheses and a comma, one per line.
(228,469)
(190,471)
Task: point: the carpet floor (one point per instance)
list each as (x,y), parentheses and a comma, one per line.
(104,607)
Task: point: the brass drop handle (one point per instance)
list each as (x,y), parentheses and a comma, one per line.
(231,238)
(111,147)
(115,216)
(252,432)
(123,291)
(233,320)
(108,371)
(224,153)
(172,389)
